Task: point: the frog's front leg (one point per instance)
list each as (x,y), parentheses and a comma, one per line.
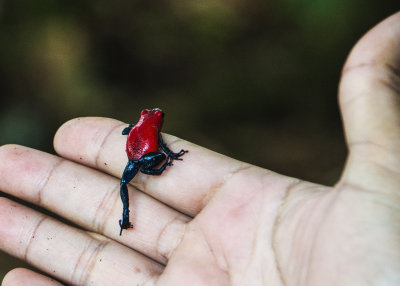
(171,155)
(127,129)
(131,169)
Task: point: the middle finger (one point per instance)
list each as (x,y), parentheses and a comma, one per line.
(90,199)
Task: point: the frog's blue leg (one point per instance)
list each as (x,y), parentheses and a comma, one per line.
(171,155)
(127,129)
(151,160)
(130,171)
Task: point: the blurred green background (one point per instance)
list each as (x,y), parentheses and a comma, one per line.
(255,80)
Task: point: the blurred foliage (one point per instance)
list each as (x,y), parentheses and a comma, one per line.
(262,74)
(256,80)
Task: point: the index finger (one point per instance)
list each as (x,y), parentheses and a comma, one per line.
(186,186)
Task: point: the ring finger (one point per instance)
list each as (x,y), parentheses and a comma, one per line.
(69,254)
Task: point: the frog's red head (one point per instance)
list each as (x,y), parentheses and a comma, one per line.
(153,117)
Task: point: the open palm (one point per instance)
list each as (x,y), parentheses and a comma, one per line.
(212,220)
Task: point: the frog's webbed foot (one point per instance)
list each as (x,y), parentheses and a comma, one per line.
(175,156)
(124,224)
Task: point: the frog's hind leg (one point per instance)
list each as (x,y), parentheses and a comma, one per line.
(130,171)
(151,160)
(171,155)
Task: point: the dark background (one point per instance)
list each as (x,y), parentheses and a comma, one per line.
(255,80)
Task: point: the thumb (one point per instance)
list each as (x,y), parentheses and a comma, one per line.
(369,97)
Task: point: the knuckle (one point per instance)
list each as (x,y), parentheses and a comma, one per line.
(170,237)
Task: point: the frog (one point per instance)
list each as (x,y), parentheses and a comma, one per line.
(146,150)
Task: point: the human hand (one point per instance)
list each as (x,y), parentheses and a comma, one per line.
(211,220)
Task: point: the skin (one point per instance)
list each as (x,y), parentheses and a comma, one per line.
(232,224)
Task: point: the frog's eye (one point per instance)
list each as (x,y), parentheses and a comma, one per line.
(144,112)
(158,113)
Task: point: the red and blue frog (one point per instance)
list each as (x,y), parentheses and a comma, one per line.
(146,150)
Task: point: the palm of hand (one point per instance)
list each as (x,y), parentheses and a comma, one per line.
(236,224)
(286,234)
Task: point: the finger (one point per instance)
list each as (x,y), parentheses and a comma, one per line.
(90,199)
(22,277)
(187,185)
(69,254)
(370,102)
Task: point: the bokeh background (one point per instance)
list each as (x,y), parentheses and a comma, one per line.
(255,80)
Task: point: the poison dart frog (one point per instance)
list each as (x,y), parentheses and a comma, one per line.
(145,149)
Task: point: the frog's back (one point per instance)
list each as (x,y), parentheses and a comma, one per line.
(141,140)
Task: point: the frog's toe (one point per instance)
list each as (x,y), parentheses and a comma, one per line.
(176,156)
